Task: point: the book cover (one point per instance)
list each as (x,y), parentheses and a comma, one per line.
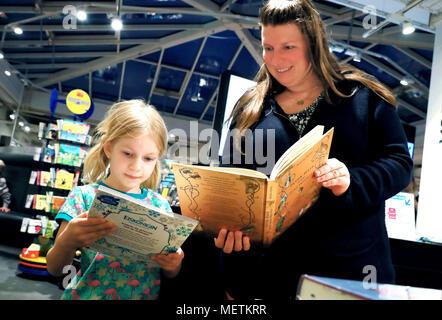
(57,202)
(247,200)
(70,155)
(141,231)
(322,288)
(64,180)
(45,178)
(41,202)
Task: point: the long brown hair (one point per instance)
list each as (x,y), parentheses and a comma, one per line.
(324,63)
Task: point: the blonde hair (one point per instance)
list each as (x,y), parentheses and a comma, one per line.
(128,118)
(324,63)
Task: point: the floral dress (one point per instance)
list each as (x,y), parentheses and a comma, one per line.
(102,276)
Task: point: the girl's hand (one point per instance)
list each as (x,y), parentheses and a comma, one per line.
(334,175)
(232,240)
(82,231)
(170,262)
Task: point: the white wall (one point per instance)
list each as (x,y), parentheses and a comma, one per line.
(429,218)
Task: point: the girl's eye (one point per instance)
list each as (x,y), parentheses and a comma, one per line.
(126,153)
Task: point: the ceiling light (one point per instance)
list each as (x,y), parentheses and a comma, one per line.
(18,30)
(12,116)
(81,15)
(8,73)
(357,58)
(27,129)
(404,82)
(116,24)
(21,123)
(1,55)
(407,28)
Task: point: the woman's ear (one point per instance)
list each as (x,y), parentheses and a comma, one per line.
(107,148)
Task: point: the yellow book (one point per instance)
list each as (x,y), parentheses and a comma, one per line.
(41,202)
(64,180)
(247,200)
(45,178)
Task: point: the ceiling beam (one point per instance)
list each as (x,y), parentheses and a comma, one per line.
(416,57)
(134,52)
(189,75)
(107,27)
(157,74)
(415,40)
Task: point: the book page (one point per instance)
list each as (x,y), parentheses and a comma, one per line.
(141,230)
(222,200)
(300,146)
(297,188)
(233,170)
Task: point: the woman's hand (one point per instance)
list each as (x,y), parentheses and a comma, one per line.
(232,240)
(83,231)
(170,262)
(334,175)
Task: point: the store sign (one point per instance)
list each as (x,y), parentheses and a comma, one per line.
(400,217)
(78,101)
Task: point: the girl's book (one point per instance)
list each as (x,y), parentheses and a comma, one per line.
(141,231)
(247,200)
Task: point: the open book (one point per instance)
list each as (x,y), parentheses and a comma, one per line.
(247,200)
(141,230)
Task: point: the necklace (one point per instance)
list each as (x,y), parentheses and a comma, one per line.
(301,102)
(301,118)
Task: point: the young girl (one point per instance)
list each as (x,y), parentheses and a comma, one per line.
(132,137)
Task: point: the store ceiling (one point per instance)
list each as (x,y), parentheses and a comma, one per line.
(172,53)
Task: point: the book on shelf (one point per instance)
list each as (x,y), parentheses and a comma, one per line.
(65,129)
(64,180)
(45,179)
(247,200)
(70,155)
(57,202)
(322,288)
(74,131)
(141,231)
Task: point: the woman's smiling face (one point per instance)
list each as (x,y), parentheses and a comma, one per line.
(285,53)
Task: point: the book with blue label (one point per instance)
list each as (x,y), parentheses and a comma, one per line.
(141,230)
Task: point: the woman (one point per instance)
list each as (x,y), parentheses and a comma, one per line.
(301,85)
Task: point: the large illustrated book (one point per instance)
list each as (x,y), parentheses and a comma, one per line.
(141,230)
(247,200)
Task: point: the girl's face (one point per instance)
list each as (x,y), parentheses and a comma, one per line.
(132,161)
(285,53)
